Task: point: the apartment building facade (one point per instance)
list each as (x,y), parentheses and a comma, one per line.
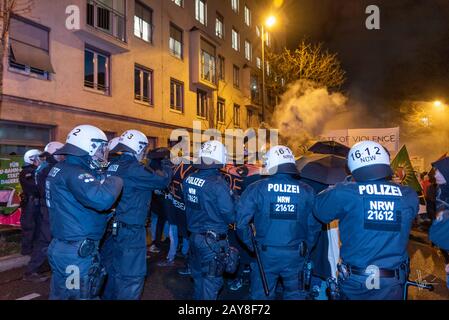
(151,65)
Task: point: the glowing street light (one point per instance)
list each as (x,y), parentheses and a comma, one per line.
(438,105)
(269,22)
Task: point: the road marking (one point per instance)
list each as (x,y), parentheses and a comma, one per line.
(30,296)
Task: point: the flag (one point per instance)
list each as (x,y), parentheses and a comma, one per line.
(403,170)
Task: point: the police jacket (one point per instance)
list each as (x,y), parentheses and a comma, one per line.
(209,202)
(281,207)
(439,231)
(27,182)
(375,219)
(138,184)
(42,173)
(77,199)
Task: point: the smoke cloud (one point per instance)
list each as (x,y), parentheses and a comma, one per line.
(304,111)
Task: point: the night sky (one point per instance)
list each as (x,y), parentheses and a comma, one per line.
(407,59)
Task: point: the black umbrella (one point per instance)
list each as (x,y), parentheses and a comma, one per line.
(324,168)
(159,153)
(330,147)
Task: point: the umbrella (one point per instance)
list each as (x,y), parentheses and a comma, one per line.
(330,147)
(159,153)
(324,168)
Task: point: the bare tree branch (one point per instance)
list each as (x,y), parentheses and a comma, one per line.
(309,62)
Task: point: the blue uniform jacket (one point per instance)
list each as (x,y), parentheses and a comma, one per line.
(375,219)
(27,181)
(209,202)
(138,184)
(439,231)
(281,207)
(77,200)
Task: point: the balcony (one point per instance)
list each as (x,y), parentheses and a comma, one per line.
(104,26)
(203,60)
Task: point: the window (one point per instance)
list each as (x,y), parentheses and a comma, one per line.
(207,61)
(268,68)
(247,16)
(178,2)
(18,138)
(235,40)
(201,11)
(221,68)
(258,31)
(236,76)
(236,115)
(96,70)
(220,110)
(108,16)
(175,42)
(235,5)
(152,143)
(267,38)
(248,50)
(143,22)
(259,63)
(255,89)
(176,95)
(143,84)
(249,118)
(202,104)
(29,48)
(219,26)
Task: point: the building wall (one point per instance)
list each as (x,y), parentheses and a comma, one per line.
(63,102)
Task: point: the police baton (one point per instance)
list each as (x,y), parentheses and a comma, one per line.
(259,262)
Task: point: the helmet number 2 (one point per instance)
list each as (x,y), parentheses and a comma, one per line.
(75,133)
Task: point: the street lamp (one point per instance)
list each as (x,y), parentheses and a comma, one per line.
(269,22)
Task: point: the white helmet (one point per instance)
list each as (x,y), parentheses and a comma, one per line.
(113,143)
(213,154)
(280,159)
(132,141)
(53,146)
(31,156)
(83,140)
(368,161)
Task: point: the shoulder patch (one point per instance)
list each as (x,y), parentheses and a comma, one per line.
(86,177)
(113,168)
(54,171)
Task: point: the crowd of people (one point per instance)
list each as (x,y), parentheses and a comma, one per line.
(86,206)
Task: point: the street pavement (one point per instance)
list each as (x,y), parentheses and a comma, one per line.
(164,283)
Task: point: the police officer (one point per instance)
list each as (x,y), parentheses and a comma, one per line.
(209,210)
(39,254)
(29,219)
(375,217)
(281,208)
(439,231)
(77,198)
(128,265)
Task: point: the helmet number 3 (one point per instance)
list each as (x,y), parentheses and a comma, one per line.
(130,136)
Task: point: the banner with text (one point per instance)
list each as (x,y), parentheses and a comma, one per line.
(10,167)
(388,137)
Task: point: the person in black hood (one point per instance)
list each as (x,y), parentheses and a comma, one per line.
(439,231)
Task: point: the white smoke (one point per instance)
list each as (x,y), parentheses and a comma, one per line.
(303,112)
